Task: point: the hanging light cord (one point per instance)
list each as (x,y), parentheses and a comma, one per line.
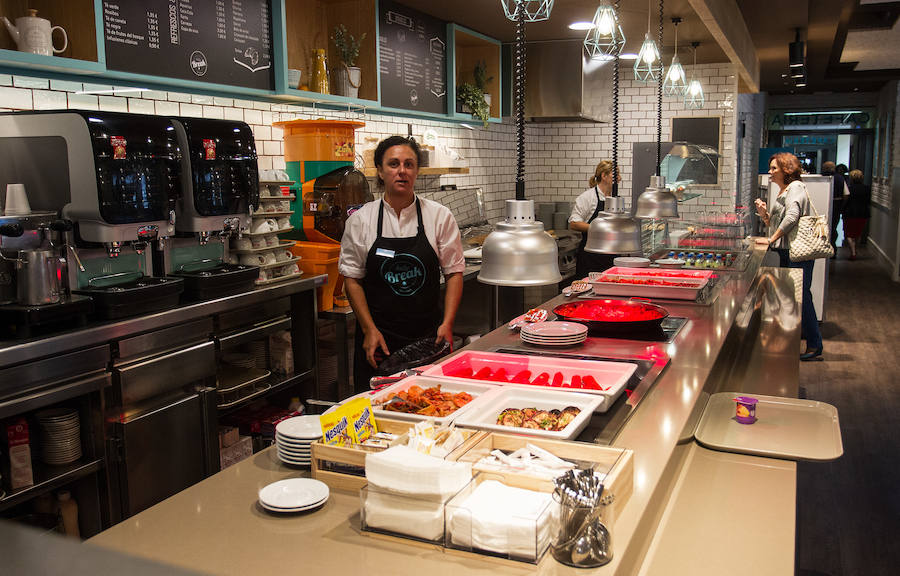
(659,83)
(615,142)
(520,104)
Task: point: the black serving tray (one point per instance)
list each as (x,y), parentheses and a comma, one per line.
(142,296)
(222,280)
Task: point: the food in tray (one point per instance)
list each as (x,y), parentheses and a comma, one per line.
(535,419)
(426,402)
(557,380)
(664,274)
(633,280)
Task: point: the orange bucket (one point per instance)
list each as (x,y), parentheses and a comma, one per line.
(319,140)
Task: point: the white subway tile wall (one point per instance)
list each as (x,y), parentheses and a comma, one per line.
(560,156)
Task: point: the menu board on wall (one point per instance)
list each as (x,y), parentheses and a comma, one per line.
(413,67)
(217,41)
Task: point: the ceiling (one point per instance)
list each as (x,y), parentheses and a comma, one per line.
(851,44)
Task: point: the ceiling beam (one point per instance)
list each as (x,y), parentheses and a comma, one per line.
(726,24)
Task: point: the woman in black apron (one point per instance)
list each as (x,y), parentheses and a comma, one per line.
(398,299)
(586,208)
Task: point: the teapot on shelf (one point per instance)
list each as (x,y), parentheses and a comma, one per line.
(35,35)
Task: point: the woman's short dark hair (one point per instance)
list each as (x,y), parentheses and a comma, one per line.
(390,142)
(789,164)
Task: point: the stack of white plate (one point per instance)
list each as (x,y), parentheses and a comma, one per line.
(240,359)
(294,438)
(60,435)
(554,333)
(259,349)
(293,495)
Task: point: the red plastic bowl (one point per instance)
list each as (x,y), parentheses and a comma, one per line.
(606,314)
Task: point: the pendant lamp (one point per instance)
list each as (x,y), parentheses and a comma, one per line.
(518,252)
(534,10)
(657,201)
(648,66)
(693,96)
(614,231)
(675,83)
(605,39)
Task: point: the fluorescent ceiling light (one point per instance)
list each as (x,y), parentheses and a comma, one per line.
(113,91)
(628,56)
(580,26)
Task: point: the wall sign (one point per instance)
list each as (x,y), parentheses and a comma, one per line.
(413,59)
(217,41)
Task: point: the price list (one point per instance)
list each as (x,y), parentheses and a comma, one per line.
(218,41)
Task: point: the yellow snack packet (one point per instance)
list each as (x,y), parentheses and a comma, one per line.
(362,422)
(336,429)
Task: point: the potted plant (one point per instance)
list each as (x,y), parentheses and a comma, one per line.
(349,76)
(471,97)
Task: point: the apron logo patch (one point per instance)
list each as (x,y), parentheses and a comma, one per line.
(405,274)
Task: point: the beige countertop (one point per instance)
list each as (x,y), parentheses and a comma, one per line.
(217,527)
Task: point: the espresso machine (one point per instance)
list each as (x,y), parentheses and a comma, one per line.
(218,192)
(115,176)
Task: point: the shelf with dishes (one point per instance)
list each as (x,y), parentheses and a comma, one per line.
(269,232)
(280,244)
(261,214)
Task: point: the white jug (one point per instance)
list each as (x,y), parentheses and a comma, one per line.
(35,35)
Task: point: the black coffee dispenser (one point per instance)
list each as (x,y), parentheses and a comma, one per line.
(218,192)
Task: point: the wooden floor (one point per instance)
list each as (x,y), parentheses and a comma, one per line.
(848,517)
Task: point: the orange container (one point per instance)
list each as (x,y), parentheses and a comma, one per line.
(312,267)
(306,140)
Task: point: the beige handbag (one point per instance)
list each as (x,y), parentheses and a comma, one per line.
(810,238)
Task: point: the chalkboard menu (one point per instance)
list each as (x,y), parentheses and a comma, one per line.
(217,41)
(413,67)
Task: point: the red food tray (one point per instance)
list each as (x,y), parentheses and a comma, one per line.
(686,285)
(659,272)
(599,377)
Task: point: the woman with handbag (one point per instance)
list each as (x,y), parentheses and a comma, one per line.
(784,218)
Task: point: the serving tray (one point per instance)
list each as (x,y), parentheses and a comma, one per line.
(786,428)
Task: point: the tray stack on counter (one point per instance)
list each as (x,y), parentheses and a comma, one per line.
(261,246)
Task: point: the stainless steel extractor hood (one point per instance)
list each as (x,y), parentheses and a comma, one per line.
(562,83)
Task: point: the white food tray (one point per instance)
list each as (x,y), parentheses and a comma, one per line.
(629,287)
(484,415)
(478,391)
(787,428)
(612,376)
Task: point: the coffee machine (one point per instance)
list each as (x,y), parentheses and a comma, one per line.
(115,176)
(218,192)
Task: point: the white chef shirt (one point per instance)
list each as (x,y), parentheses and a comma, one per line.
(361,230)
(585,204)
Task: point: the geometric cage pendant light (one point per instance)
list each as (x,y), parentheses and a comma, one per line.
(693,96)
(605,39)
(676,82)
(535,10)
(648,66)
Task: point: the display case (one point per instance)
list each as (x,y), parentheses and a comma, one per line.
(469,49)
(309,25)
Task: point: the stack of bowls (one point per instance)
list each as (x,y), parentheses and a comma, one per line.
(294,438)
(60,435)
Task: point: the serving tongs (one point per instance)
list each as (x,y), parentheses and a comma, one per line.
(376,383)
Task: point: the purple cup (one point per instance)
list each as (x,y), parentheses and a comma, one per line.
(745,409)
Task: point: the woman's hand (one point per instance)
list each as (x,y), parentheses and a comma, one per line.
(445,334)
(371,343)
(761,208)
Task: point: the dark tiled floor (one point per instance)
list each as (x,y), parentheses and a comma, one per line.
(848,517)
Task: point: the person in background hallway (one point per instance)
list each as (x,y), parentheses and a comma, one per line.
(839,194)
(393,253)
(586,208)
(792,203)
(856,212)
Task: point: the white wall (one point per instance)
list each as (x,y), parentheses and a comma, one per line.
(560,156)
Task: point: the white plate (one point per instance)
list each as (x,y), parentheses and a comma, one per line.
(576,339)
(472,253)
(554,329)
(293,493)
(294,453)
(289,440)
(292,510)
(293,460)
(631,261)
(300,428)
(485,415)
(554,343)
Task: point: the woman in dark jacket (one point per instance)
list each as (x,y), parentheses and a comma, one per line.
(856,212)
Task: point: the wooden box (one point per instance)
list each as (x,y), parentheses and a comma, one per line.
(350,461)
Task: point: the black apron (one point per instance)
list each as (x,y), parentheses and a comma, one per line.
(588,261)
(403,290)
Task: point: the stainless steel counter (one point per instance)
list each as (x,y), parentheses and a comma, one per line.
(18,351)
(746,340)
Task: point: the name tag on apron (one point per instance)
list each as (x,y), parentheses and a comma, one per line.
(384,252)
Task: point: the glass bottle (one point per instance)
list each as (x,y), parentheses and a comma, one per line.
(320,72)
